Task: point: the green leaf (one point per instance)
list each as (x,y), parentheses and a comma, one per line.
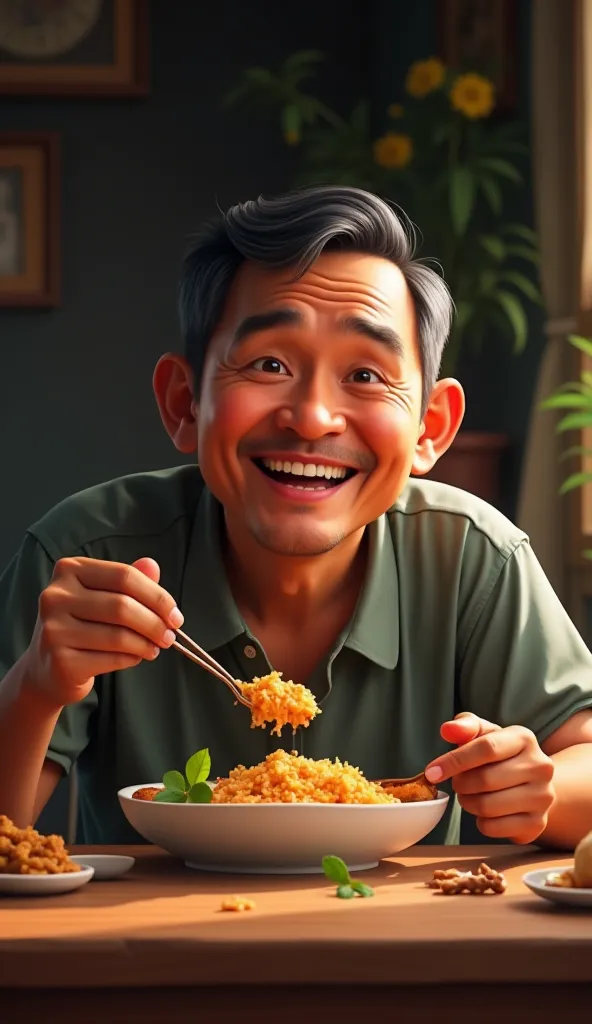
(567,400)
(236,94)
(492,193)
(515,315)
(174,780)
(494,246)
(503,168)
(296,61)
(522,283)
(584,344)
(291,123)
(524,253)
(170,796)
(575,449)
(462,197)
(574,421)
(488,280)
(521,231)
(464,312)
(575,480)
(198,767)
(362,889)
(335,870)
(260,76)
(587,378)
(200,794)
(345,892)
(359,117)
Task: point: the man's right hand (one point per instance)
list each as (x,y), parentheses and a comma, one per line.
(97,617)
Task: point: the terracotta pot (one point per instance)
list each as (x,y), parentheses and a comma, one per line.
(474,463)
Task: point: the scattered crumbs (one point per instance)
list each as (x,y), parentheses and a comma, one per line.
(237,903)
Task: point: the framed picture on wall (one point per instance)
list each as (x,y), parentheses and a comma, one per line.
(74,47)
(29,219)
(481,35)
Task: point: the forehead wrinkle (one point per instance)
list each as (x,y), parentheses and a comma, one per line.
(369,298)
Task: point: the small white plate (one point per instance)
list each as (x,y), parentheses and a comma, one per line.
(106,865)
(535,880)
(45,885)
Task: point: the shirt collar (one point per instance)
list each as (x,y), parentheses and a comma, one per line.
(211,615)
(374,631)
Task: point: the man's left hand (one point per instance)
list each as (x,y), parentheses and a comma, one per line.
(500,775)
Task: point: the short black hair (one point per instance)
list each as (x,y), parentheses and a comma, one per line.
(292,230)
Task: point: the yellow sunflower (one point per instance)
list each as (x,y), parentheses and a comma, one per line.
(473,95)
(395,110)
(393,150)
(424,77)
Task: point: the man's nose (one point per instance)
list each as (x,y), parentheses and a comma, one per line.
(311,418)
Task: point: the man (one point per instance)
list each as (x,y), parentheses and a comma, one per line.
(309,392)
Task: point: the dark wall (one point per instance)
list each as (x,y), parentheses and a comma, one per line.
(138,177)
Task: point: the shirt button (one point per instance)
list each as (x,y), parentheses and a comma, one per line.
(250,651)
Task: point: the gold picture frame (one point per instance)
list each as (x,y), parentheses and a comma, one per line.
(29,219)
(111,59)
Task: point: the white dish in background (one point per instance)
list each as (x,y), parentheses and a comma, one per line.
(106,865)
(44,885)
(278,838)
(535,881)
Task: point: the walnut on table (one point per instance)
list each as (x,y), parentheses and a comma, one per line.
(452,882)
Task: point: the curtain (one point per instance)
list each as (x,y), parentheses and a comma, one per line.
(541,512)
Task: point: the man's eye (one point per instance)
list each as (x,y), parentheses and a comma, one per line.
(364,376)
(269,365)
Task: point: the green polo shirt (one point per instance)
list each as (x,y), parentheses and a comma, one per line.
(455,614)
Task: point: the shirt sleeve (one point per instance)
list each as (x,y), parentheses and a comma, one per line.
(524,662)
(20,587)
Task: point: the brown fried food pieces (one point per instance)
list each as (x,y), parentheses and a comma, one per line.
(453,882)
(147,793)
(24,851)
(413,792)
(561,879)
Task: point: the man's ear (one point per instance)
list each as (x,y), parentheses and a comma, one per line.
(440,425)
(173,383)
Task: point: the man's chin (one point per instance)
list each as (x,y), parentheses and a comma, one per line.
(296,543)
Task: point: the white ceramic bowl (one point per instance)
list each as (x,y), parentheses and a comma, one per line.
(281,838)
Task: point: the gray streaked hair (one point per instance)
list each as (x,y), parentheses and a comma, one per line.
(293,230)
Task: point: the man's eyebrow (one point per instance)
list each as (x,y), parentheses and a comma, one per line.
(259,322)
(265,322)
(376,332)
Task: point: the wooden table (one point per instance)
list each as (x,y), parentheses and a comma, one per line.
(155,947)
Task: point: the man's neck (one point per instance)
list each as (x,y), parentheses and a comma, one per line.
(280,588)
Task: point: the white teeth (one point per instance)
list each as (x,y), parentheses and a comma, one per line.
(310,469)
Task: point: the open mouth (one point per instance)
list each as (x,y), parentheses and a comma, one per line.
(305,476)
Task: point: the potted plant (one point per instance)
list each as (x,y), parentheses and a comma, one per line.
(450,166)
(574,399)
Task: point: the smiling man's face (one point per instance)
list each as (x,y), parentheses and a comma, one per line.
(310,406)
